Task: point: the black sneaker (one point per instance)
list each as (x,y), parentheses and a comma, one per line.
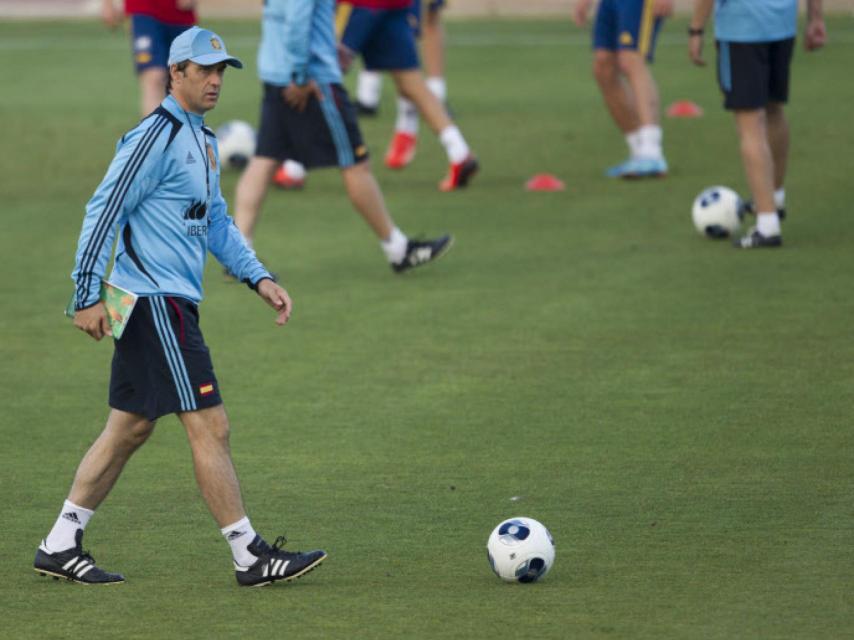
(420,252)
(747,207)
(367,110)
(755,240)
(274,563)
(73,564)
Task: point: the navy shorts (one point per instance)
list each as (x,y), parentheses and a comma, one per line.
(326,134)
(383,37)
(151,40)
(628,25)
(161,364)
(752,74)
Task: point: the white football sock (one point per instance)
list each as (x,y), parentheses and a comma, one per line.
(650,142)
(437,86)
(780,198)
(768,223)
(239,536)
(294,169)
(633,139)
(369,88)
(407,117)
(71,518)
(394,246)
(454,143)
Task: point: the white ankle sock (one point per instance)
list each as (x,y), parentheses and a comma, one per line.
(650,142)
(239,536)
(71,518)
(454,143)
(369,88)
(780,198)
(437,86)
(768,223)
(633,139)
(407,117)
(394,246)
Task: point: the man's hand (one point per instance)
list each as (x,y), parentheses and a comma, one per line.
(297,96)
(663,8)
(93,321)
(277,298)
(816,34)
(579,12)
(345,57)
(695,49)
(111,17)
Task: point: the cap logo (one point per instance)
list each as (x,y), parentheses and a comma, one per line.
(216,44)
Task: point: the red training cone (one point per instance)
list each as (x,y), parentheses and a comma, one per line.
(545,182)
(684,109)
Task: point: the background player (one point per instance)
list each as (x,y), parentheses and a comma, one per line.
(428,28)
(756,39)
(307,116)
(624,37)
(154,24)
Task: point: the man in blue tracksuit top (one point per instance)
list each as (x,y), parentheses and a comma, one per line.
(755,41)
(162,196)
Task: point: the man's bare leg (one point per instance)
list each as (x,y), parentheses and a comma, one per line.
(617,95)
(778,138)
(251,192)
(152,89)
(367,198)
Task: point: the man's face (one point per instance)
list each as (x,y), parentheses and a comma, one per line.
(198,86)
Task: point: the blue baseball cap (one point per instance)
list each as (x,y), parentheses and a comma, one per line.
(202,47)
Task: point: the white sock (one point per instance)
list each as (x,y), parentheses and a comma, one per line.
(437,86)
(780,198)
(71,518)
(239,536)
(407,117)
(454,143)
(768,223)
(369,88)
(294,169)
(650,142)
(394,246)
(633,139)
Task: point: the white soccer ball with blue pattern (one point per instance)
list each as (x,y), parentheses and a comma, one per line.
(236,142)
(520,550)
(717,212)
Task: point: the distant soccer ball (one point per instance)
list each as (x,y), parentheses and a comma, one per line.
(717,212)
(236,142)
(520,550)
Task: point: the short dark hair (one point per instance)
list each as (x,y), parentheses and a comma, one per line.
(181,67)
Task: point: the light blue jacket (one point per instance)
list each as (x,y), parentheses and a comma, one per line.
(298,42)
(755,20)
(161,195)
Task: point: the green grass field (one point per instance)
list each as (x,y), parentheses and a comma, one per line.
(679,414)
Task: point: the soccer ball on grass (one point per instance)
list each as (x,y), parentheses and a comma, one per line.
(717,212)
(236,142)
(520,550)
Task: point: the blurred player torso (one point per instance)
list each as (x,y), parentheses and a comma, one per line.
(755,20)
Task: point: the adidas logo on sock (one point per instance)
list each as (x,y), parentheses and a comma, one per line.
(234,535)
(71,517)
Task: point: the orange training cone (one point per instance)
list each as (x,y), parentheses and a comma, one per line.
(684,109)
(545,182)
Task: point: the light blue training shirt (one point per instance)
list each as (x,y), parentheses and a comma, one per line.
(161,195)
(755,20)
(298,42)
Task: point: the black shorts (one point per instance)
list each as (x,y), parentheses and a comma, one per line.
(161,364)
(326,134)
(752,74)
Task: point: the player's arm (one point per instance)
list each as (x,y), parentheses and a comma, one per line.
(129,178)
(696,29)
(111,16)
(229,247)
(296,34)
(816,33)
(580,11)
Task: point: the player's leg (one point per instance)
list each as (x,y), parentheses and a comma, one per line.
(743,77)
(617,95)
(433,48)
(777,127)
(152,88)
(151,40)
(251,192)
(369,88)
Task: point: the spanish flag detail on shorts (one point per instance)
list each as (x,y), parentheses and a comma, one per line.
(206,389)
